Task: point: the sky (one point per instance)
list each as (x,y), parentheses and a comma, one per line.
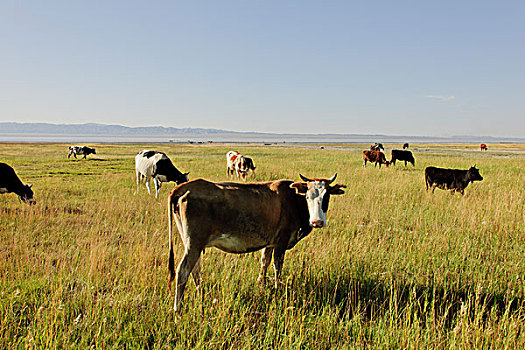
(429,68)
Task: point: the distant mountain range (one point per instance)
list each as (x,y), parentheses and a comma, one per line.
(99,129)
(93,132)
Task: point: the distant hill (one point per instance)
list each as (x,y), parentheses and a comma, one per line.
(93,132)
(100,129)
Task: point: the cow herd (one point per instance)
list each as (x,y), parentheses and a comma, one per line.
(454,180)
(243,217)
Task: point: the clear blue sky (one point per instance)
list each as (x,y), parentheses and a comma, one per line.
(436,68)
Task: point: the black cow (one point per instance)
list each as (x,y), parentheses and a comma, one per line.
(405,156)
(455,180)
(80,150)
(249,165)
(10,183)
(377,147)
(405,145)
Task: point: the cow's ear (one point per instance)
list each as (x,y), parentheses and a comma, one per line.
(337,189)
(300,187)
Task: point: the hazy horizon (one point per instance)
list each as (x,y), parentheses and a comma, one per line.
(404,68)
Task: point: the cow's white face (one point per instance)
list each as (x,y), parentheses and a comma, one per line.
(317,195)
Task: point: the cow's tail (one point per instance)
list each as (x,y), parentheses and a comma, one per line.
(172,203)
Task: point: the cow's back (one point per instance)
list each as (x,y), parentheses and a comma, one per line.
(7,175)
(238,217)
(144,164)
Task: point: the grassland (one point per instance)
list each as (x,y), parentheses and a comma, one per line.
(396,267)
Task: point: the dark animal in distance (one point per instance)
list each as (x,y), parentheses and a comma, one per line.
(10,183)
(249,164)
(241,218)
(376,157)
(80,150)
(156,165)
(405,145)
(377,147)
(483,147)
(400,155)
(455,180)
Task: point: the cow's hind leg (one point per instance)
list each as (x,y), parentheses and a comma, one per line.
(186,266)
(196,273)
(266,258)
(139,176)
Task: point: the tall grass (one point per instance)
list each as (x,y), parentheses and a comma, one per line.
(396,267)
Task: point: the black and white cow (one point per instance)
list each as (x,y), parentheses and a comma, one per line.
(156,165)
(80,150)
(10,183)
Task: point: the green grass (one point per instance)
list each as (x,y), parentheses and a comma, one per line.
(396,267)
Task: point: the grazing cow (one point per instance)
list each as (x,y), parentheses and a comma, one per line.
(483,147)
(238,164)
(405,145)
(377,147)
(455,180)
(241,218)
(402,156)
(156,165)
(376,157)
(80,150)
(231,156)
(10,183)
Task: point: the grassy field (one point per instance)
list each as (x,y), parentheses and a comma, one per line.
(396,267)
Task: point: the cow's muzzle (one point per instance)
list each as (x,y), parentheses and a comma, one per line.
(317,223)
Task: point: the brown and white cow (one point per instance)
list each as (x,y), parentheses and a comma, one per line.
(241,218)
(376,157)
(238,164)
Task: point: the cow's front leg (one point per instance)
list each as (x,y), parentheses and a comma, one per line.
(266,258)
(157,184)
(146,181)
(278,260)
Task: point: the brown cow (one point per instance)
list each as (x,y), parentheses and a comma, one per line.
(376,157)
(241,218)
(483,147)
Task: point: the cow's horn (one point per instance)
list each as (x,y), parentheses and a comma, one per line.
(305,179)
(332,179)
(186,173)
